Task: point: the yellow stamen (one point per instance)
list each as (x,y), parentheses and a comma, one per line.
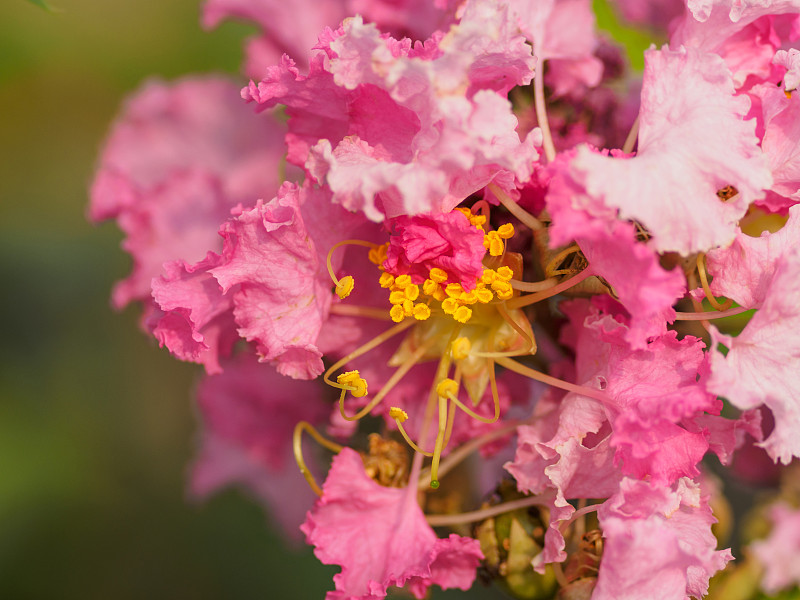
(484,296)
(701,270)
(429,287)
(462,314)
(439,446)
(408,307)
(345,286)
(506,231)
(377,255)
(386,280)
(438,275)
(460,348)
(422,312)
(503,289)
(468,297)
(412,292)
(397,313)
(397,297)
(505,273)
(446,386)
(439,294)
(450,306)
(488,276)
(454,290)
(496,245)
(402,281)
(357,385)
(297,443)
(398,414)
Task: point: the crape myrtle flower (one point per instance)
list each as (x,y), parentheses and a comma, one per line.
(496,294)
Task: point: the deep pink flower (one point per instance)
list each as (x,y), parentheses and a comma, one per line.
(380,537)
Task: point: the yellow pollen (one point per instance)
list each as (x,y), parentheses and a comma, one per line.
(408,307)
(505,273)
(403,281)
(421,312)
(397,313)
(506,231)
(488,276)
(478,220)
(468,297)
(345,286)
(462,314)
(460,348)
(378,254)
(495,244)
(386,280)
(429,287)
(454,290)
(412,292)
(484,296)
(503,289)
(447,387)
(356,384)
(450,305)
(398,414)
(439,294)
(438,275)
(397,297)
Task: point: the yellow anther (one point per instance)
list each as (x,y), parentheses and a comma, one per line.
(438,275)
(397,297)
(429,287)
(397,313)
(412,292)
(386,280)
(505,273)
(464,211)
(450,305)
(355,383)
(408,307)
(478,220)
(488,276)
(439,294)
(345,286)
(378,254)
(421,312)
(468,297)
(496,245)
(503,289)
(454,290)
(462,314)
(447,387)
(402,281)
(484,296)
(398,414)
(506,231)
(460,348)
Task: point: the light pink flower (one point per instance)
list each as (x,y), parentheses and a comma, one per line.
(762,365)
(790,59)
(686,95)
(380,537)
(658,543)
(778,552)
(394,129)
(179,157)
(248,415)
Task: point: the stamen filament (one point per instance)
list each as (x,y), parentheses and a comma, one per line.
(521,301)
(373,343)
(409,441)
(368,312)
(344,243)
(473,414)
(437,450)
(393,381)
(515,209)
(531,341)
(701,271)
(633,135)
(485,513)
(702,316)
(513,365)
(297,444)
(533,286)
(541,113)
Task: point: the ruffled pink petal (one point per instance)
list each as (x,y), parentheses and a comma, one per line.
(744,270)
(178,159)
(789,59)
(666,533)
(380,537)
(685,95)
(762,365)
(781,117)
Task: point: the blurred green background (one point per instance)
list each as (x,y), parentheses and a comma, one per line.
(96,423)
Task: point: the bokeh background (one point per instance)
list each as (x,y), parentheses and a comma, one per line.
(96,423)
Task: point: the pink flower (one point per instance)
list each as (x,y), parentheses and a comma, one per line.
(777,553)
(177,160)
(380,537)
(762,365)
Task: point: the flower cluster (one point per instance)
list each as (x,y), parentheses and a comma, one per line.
(468,220)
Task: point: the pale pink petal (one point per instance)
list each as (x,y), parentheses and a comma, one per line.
(790,59)
(762,365)
(685,95)
(781,118)
(778,552)
(656,14)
